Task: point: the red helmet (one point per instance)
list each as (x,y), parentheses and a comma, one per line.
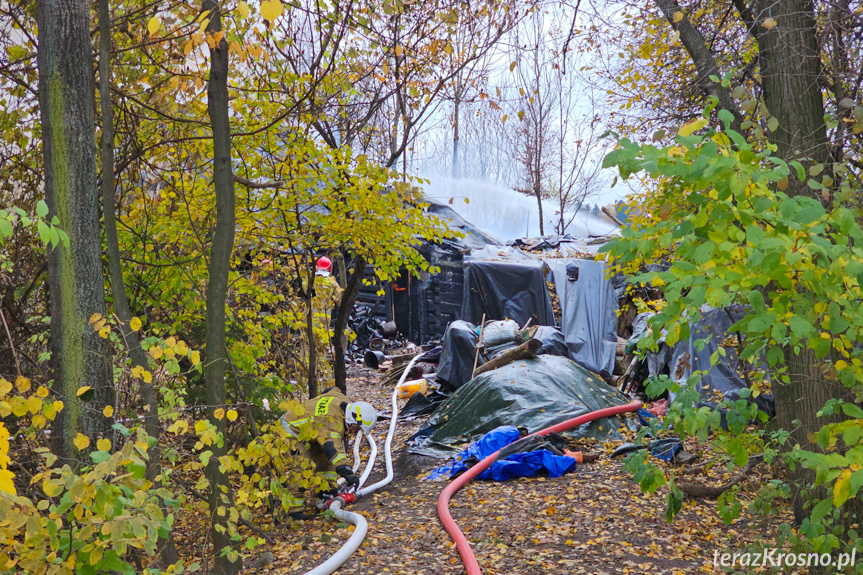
(324,263)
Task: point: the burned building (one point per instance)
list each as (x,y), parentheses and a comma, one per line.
(423,306)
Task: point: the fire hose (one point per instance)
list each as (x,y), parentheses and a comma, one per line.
(464,548)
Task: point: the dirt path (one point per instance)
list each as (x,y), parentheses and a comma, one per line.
(594,521)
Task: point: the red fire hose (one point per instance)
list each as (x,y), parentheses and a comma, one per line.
(455,533)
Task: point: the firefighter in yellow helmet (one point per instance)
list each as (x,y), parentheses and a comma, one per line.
(334,416)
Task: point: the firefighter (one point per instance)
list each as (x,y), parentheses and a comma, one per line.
(334,417)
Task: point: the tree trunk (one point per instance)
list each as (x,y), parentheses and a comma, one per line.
(168,552)
(538,192)
(310,330)
(456,172)
(220,497)
(790,67)
(349,296)
(66,102)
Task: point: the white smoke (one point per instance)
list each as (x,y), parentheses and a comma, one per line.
(506,213)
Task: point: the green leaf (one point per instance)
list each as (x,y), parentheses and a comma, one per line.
(756,300)
(754,234)
(820,511)
(801,171)
(852,410)
(704,252)
(726,117)
(772,124)
(41,208)
(801,327)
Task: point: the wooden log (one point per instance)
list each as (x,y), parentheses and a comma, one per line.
(620,349)
(701,490)
(404,358)
(526,350)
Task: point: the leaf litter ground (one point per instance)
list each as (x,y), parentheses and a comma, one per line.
(593,521)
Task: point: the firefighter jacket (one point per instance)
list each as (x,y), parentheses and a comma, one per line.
(326,414)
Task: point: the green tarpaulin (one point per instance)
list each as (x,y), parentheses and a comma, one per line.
(534,394)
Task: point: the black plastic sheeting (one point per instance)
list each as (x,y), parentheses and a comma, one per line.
(533,394)
(588,306)
(457,355)
(723,377)
(459,350)
(553,341)
(505,283)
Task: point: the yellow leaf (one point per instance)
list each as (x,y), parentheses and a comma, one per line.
(244,9)
(232,415)
(769,23)
(42,391)
(50,488)
(105,331)
(5,386)
(135,324)
(692,126)
(108,411)
(271,9)
(179,426)
(678,16)
(58,405)
(171,341)
(842,488)
(156,352)
(841,364)
(398,50)
(94,318)
(181,348)
(81,441)
(100,323)
(82,390)
(153,25)
(22,383)
(103,445)
(6,485)
(34,404)
(195,356)
(219,413)
(200,426)
(148,377)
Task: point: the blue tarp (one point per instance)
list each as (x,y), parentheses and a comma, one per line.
(515,465)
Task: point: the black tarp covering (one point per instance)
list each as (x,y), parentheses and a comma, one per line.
(505,283)
(457,355)
(588,306)
(553,342)
(459,351)
(534,394)
(724,376)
